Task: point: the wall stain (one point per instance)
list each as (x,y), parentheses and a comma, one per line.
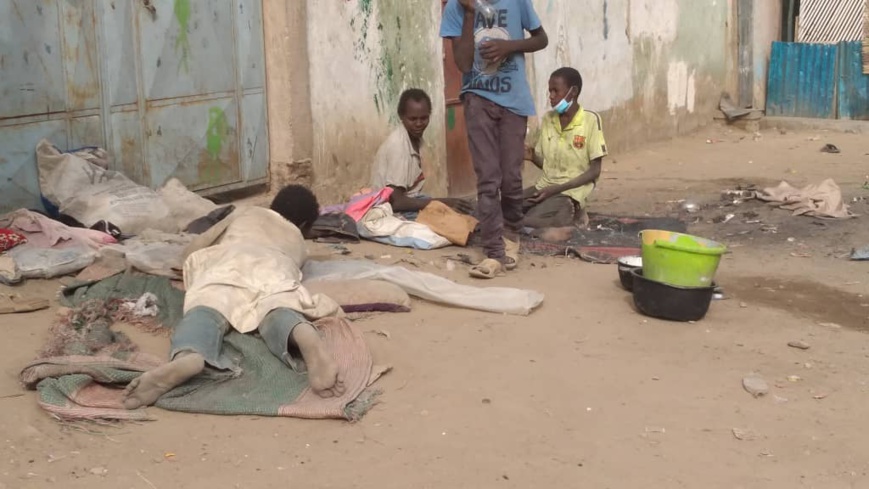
(215,138)
(606,21)
(400,59)
(182,42)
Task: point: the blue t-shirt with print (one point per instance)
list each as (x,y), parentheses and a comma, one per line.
(504,83)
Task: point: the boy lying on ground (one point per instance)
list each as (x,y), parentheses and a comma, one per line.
(245,273)
(398,164)
(570,152)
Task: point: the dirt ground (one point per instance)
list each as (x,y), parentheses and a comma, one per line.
(583,393)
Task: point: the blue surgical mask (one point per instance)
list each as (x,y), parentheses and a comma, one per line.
(564,105)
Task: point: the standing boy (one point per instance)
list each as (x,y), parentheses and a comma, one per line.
(490,52)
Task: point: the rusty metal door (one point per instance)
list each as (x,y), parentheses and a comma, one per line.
(460,169)
(172,88)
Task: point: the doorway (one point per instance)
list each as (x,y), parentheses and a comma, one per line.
(461,180)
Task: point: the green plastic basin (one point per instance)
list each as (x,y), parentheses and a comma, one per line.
(680,259)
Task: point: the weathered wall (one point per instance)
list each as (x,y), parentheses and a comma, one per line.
(291,139)
(653,68)
(767,28)
(363,54)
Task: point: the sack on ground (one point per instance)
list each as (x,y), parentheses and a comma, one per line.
(447,222)
(90,193)
(363,295)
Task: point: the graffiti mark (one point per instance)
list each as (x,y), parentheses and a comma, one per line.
(182,43)
(451,118)
(606,21)
(215,137)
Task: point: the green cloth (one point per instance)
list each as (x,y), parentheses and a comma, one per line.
(130,286)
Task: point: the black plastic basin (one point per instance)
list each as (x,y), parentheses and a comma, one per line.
(663,301)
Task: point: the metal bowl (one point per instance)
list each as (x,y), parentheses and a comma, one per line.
(626,265)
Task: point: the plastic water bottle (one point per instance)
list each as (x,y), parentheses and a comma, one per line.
(486,8)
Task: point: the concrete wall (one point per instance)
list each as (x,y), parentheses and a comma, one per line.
(767,28)
(653,68)
(291,140)
(363,54)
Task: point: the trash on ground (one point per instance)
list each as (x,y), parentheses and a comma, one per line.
(823,200)
(16,304)
(799,345)
(144,306)
(830,148)
(755,385)
(339,249)
(860,254)
(744,435)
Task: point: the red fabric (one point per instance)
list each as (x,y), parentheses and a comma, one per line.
(10,239)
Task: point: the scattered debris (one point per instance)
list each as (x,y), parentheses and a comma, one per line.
(339,249)
(744,435)
(830,325)
(15,304)
(794,378)
(451,265)
(860,254)
(723,219)
(382,332)
(830,148)
(799,345)
(755,385)
(145,306)
(100,471)
(690,207)
(820,397)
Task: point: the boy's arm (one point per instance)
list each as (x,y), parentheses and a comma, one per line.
(463,46)
(401,202)
(209,237)
(499,49)
(589,176)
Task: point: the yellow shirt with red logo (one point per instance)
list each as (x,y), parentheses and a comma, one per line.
(567,153)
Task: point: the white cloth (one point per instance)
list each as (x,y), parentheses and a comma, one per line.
(248,265)
(381,225)
(428,286)
(398,164)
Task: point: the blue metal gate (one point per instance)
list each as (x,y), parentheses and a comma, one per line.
(818,80)
(172,88)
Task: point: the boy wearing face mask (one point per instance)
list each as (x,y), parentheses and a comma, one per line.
(570,151)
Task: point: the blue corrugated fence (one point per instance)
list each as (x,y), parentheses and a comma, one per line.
(817,80)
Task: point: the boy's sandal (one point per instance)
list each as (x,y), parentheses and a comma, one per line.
(511,249)
(487,269)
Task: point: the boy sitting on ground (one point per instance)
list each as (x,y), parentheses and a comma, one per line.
(570,152)
(398,164)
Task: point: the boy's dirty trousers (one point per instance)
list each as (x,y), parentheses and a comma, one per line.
(496,138)
(202,329)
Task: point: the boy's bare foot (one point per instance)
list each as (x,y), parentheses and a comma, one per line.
(323,374)
(146,389)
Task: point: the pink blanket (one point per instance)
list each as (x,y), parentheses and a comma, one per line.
(44,232)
